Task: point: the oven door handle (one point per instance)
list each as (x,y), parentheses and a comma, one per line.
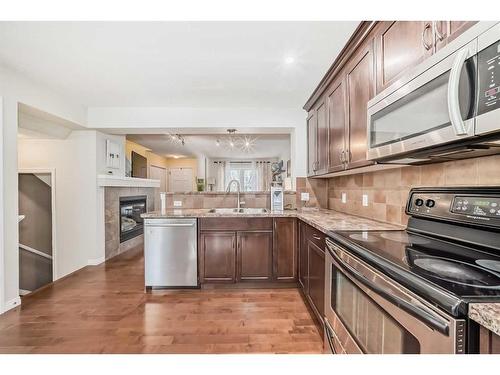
(431,320)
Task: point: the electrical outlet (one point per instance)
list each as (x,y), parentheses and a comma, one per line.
(177,203)
(304,197)
(365,200)
(344,198)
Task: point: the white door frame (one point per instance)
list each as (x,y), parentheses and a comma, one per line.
(52,172)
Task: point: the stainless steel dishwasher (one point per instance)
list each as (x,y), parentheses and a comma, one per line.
(170,253)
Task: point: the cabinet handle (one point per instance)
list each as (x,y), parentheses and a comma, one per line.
(441,36)
(316,237)
(427,46)
(347,156)
(341,155)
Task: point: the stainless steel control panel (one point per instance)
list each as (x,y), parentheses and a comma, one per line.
(465,206)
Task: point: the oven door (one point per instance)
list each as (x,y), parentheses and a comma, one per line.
(432,107)
(366,312)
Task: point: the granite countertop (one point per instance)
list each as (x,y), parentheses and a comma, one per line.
(486,314)
(322,219)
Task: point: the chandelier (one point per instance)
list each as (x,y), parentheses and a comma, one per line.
(233,142)
(176,138)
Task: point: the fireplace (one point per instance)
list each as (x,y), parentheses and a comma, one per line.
(131,223)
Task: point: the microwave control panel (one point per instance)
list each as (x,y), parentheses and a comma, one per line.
(489,78)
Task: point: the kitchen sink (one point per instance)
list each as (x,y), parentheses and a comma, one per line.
(239,210)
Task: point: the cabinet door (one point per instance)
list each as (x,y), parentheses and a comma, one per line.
(336,99)
(322,139)
(401,45)
(312,151)
(218,257)
(316,279)
(446,31)
(360,88)
(255,254)
(489,342)
(285,249)
(303,264)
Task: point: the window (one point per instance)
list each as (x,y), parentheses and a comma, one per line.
(244,172)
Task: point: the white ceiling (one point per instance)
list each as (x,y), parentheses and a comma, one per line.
(182,64)
(265,146)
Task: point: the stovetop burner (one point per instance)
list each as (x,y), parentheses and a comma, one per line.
(458,272)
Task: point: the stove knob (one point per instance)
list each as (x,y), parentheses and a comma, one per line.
(430,203)
(419,202)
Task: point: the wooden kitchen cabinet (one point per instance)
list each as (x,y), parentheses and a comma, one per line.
(337,125)
(316,279)
(303,259)
(360,89)
(489,342)
(399,46)
(322,139)
(312,268)
(285,249)
(312,156)
(217,257)
(254,256)
(447,31)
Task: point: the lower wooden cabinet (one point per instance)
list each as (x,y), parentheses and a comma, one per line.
(489,342)
(302,249)
(285,249)
(254,256)
(217,257)
(312,267)
(316,278)
(248,249)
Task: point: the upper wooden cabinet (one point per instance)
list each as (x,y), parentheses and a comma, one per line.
(337,125)
(312,150)
(377,55)
(360,89)
(446,31)
(400,45)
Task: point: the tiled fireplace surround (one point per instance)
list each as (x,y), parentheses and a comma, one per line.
(387,190)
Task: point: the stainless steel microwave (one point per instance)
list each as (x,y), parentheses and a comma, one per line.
(447,108)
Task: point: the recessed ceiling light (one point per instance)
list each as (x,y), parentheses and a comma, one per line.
(289,60)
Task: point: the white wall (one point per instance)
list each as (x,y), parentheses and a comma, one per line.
(74,161)
(16,89)
(2,276)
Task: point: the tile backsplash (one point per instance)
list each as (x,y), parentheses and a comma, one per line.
(387,190)
(226,200)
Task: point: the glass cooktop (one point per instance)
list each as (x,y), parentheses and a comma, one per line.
(469,273)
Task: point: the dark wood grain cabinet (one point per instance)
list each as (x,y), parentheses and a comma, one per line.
(312,268)
(378,54)
(218,257)
(316,278)
(235,250)
(254,256)
(360,89)
(489,342)
(302,250)
(285,249)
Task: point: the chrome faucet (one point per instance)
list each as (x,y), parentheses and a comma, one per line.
(238,186)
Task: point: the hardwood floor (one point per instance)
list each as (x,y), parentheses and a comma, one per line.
(104,309)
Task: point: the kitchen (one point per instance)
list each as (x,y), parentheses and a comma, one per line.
(372,227)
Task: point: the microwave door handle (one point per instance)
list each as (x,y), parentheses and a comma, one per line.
(453,93)
(431,320)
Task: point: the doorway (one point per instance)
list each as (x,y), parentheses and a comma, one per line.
(36,229)
(158,173)
(180,180)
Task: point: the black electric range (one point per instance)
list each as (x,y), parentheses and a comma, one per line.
(450,252)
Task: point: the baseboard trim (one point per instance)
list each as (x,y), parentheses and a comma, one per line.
(96,261)
(14,302)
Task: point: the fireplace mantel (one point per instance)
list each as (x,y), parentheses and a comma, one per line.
(104,180)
